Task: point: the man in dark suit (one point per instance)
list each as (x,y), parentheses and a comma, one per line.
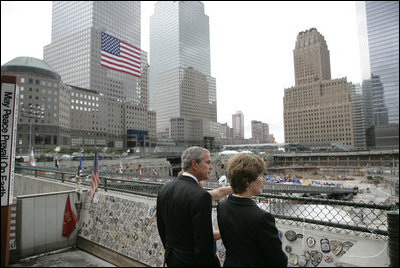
(184,214)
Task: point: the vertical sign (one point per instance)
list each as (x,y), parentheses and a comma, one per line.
(9,113)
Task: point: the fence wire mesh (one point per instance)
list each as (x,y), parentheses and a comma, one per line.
(335,215)
(358,218)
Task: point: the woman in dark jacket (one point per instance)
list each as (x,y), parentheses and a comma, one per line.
(248,232)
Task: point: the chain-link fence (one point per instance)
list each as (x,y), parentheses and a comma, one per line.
(336,215)
(314,213)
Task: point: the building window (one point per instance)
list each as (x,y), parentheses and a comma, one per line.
(101,142)
(75,142)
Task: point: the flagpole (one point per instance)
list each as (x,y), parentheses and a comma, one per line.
(30,134)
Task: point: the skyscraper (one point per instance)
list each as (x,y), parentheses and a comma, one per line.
(311,58)
(318,109)
(182,92)
(76,44)
(95,46)
(378,26)
(238,125)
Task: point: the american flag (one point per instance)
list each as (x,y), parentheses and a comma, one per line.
(119,56)
(57,163)
(121,169)
(95,177)
(80,166)
(32,162)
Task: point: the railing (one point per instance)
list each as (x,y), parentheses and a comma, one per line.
(287,188)
(129,183)
(369,218)
(335,214)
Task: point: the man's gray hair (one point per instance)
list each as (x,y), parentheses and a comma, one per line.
(190,154)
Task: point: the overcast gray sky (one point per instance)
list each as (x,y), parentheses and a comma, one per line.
(251,48)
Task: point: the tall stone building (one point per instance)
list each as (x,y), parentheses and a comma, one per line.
(311,58)
(318,109)
(259,131)
(238,125)
(182,91)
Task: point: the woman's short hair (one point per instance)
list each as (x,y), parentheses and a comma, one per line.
(190,154)
(244,169)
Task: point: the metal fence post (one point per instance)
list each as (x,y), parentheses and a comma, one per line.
(393,231)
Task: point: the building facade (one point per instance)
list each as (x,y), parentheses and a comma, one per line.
(359,117)
(311,58)
(227,131)
(101,121)
(260,131)
(238,125)
(318,109)
(52,113)
(44,105)
(75,49)
(378,26)
(79,31)
(182,91)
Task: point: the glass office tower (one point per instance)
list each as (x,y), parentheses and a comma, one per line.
(378,23)
(75,46)
(182,91)
(75,52)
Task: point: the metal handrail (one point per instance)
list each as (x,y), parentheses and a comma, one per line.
(285,207)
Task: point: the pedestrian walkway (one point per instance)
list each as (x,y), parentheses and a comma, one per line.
(72,257)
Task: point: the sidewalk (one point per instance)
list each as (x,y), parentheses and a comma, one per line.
(71,257)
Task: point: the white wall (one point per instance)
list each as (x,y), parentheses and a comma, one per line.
(40,220)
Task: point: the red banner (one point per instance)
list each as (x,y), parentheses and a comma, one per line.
(70,220)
